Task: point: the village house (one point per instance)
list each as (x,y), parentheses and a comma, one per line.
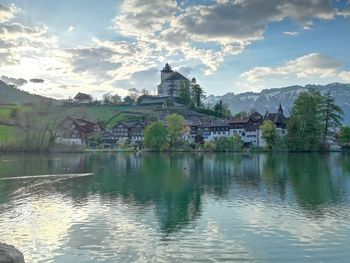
(248,128)
(82,98)
(75,131)
(191,131)
(214,130)
(129,131)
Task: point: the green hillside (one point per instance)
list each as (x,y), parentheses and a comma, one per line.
(11,95)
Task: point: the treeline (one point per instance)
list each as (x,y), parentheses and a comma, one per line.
(35,130)
(315,124)
(168,136)
(193,96)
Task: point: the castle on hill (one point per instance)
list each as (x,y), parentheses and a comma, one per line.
(171,82)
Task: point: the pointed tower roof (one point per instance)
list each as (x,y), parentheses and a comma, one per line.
(167,68)
(280,110)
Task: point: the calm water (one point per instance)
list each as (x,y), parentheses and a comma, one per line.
(177,208)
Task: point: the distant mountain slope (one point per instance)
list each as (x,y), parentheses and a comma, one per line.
(269,99)
(12,95)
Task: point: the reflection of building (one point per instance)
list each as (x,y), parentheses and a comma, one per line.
(171,82)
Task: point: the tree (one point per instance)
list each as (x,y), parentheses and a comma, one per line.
(128,100)
(106,98)
(175,124)
(144,92)
(116,99)
(134,94)
(344,137)
(209,146)
(269,134)
(197,93)
(229,144)
(305,123)
(184,93)
(155,136)
(242,114)
(331,116)
(221,110)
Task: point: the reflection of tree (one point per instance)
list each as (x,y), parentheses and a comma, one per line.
(174,185)
(313,183)
(274,173)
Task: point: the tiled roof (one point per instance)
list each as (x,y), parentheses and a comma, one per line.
(176,76)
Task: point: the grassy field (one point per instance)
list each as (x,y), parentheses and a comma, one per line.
(6,111)
(6,133)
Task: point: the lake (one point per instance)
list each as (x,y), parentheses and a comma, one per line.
(149,207)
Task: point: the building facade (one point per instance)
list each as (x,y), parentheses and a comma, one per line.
(171,82)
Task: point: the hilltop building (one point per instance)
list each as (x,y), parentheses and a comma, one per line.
(170,82)
(82,98)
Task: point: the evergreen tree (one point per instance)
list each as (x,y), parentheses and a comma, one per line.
(197,94)
(331,116)
(344,137)
(305,123)
(221,110)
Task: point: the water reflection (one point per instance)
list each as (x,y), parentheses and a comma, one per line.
(167,197)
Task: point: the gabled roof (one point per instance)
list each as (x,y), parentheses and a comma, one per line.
(276,118)
(82,96)
(176,76)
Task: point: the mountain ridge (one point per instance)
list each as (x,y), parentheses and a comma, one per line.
(269,99)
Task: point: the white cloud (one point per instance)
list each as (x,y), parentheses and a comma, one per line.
(7,12)
(345,75)
(289,33)
(313,65)
(228,27)
(70,29)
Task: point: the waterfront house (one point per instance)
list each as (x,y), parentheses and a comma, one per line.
(75,131)
(214,130)
(132,131)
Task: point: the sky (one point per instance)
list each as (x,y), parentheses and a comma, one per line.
(59,48)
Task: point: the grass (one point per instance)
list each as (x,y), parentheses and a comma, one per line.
(6,133)
(6,111)
(126,117)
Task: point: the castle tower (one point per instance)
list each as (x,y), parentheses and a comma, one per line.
(165,72)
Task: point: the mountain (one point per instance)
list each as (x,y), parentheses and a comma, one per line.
(269,99)
(9,94)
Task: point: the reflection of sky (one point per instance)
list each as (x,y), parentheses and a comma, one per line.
(251,221)
(112,229)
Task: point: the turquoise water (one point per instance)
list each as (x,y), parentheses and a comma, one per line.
(176,208)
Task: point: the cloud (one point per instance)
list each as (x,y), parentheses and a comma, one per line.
(14,81)
(35,80)
(228,27)
(289,33)
(345,75)
(7,12)
(70,28)
(308,66)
